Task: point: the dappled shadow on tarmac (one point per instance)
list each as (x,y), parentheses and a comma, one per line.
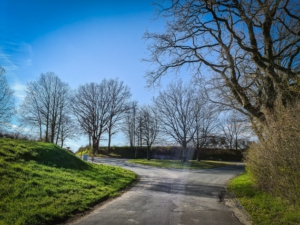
(178,187)
(168,196)
(193,182)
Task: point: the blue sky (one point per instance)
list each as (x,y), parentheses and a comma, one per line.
(80,41)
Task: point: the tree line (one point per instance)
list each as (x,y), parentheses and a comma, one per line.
(179,114)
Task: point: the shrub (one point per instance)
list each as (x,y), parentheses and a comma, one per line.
(274,162)
(84,150)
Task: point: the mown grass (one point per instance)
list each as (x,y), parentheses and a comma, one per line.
(263,208)
(177,164)
(44,184)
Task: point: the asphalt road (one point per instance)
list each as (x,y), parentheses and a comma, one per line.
(167,196)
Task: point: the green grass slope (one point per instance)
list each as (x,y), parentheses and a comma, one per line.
(41,183)
(263,208)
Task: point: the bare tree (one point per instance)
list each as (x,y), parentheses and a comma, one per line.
(45,103)
(234,127)
(6,100)
(149,126)
(30,110)
(129,124)
(205,122)
(177,113)
(90,105)
(252,48)
(68,129)
(119,96)
(139,129)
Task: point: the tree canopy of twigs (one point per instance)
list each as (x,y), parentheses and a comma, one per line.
(119,103)
(205,122)
(251,47)
(90,105)
(129,123)
(177,111)
(148,126)
(6,101)
(46,107)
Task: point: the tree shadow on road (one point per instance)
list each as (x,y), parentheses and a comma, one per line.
(179,187)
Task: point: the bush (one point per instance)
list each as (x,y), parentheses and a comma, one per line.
(274,162)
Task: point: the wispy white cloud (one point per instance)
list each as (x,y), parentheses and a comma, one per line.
(24,55)
(19,91)
(6,62)
(14,57)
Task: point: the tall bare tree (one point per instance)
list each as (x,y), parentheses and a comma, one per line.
(205,122)
(129,124)
(234,127)
(6,100)
(68,129)
(251,47)
(139,128)
(45,103)
(90,105)
(177,113)
(119,96)
(30,110)
(149,126)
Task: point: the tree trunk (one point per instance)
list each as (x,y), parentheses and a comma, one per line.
(148,152)
(109,140)
(135,152)
(236,146)
(109,134)
(90,139)
(198,153)
(95,145)
(184,152)
(47,131)
(59,129)
(41,132)
(52,132)
(184,155)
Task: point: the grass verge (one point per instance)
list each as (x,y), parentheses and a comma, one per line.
(177,164)
(44,184)
(263,208)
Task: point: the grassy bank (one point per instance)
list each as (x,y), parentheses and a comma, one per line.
(44,184)
(264,209)
(177,164)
